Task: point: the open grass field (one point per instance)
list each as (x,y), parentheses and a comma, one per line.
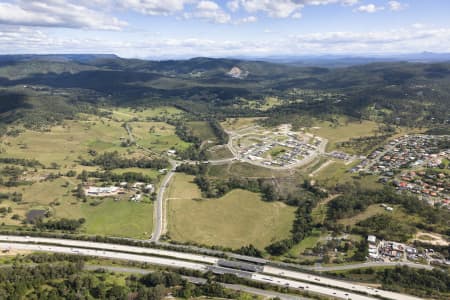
(119,218)
(237,219)
(202,130)
(114,218)
(219,152)
(149,172)
(343,132)
(157,136)
(348,129)
(62,146)
(398,213)
(127,113)
(232,124)
(249,170)
(40,195)
(266,104)
(337,173)
(307,243)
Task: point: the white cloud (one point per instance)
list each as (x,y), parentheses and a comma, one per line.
(209,10)
(282,8)
(419,25)
(326,2)
(369,8)
(249,19)
(207,5)
(155,7)
(233,5)
(396,6)
(404,40)
(56,13)
(274,8)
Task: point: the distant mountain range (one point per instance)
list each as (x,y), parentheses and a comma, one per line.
(352,60)
(329,61)
(81,58)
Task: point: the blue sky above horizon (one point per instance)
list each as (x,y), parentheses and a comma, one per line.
(224,28)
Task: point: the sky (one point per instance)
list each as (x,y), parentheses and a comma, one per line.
(224,28)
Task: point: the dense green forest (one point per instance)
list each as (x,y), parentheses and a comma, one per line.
(47,91)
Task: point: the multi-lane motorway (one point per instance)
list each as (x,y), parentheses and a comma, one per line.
(111,247)
(271,275)
(106,254)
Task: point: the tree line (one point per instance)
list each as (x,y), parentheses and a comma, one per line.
(113,160)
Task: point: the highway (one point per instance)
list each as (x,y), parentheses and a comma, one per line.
(368,265)
(336,283)
(167,262)
(310,287)
(272,275)
(111,247)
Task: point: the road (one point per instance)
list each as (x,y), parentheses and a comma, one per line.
(272,275)
(160,217)
(368,265)
(111,247)
(380,155)
(337,283)
(311,287)
(167,262)
(130,134)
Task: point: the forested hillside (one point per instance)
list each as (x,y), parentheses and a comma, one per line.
(45,88)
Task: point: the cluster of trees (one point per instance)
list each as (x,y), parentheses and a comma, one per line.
(302,227)
(222,136)
(62,277)
(61,224)
(442,249)
(113,160)
(15,197)
(363,145)
(21,281)
(193,152)
(185,133)
(108,176)
(249,250)
(386,227)
(355,200)
(21,162)
(215,188)
(421,282)
(191,169)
